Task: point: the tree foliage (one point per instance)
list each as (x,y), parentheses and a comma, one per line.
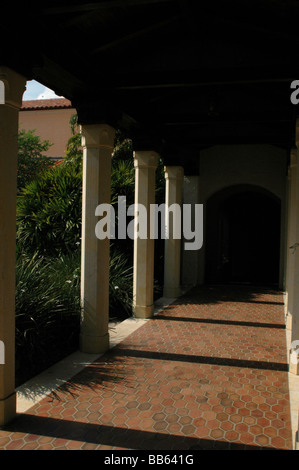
(49,211)
(31,159)
(73,150)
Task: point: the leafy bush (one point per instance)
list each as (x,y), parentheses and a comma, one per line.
(122,181)
(74,151)
(48,307)
(31,159)
(120,285)
(49,212)
(47,311)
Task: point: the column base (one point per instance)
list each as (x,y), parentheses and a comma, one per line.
(94,344)
(8,408)
(172,292)
(294,362)
(141,311)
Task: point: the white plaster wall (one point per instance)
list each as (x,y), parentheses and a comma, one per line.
(223,166)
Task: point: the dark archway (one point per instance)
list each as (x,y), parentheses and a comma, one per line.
(243,236)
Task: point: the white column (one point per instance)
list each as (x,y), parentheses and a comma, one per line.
(172,255)
(294,262)
(98,143)
(291,236)
(14,87)
(145,163)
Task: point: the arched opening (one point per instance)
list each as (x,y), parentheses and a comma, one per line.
(243,236)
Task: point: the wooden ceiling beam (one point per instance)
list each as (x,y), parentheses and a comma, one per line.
(242,77)
(134,35)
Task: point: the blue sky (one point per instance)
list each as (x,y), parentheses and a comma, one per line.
(37,91)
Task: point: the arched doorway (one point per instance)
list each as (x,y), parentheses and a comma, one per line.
(243,236)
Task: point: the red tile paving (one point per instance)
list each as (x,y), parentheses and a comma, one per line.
(210,371)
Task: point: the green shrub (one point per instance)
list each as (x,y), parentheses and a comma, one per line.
(47,311)
(74,151)
(122,181)
(48,307)
(120,285)
(31,159)
(49,212)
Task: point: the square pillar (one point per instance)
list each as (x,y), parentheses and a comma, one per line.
(13,85)
(174,176)
(291,236)
(145,163)
(98,144)
(293,280)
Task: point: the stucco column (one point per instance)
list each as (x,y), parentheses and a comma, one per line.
(294,277)
(14,87)
(145,163)
(97,142)
(291,237)
(172,255)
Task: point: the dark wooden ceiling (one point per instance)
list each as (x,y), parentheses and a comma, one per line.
(178,75)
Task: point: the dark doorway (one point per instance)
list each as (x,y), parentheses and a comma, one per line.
(243,237)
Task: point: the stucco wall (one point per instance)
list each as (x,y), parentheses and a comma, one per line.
(260,165)
(49,124)
(221,167)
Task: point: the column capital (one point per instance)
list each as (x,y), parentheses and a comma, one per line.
(146,159)
(13,87)
(173,172)
(97,136)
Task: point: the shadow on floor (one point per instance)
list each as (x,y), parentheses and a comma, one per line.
(118,437)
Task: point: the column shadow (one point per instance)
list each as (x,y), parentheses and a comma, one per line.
(96,433)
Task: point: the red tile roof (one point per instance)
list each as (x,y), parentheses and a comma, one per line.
(46,104)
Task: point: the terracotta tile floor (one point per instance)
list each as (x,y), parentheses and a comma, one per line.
(209,371)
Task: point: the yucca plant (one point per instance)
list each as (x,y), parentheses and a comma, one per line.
(120,285)
(48,307)
(49,212)
(47,311)
(122,181)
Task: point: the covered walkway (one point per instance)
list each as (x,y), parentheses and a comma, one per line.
(208,371)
